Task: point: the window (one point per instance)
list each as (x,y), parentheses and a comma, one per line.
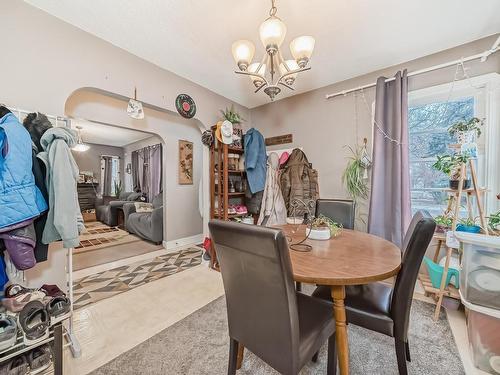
(431,111)
(428,137)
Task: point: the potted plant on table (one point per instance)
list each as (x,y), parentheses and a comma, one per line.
(466,131)
(468,225)
(452,166)
(323,228)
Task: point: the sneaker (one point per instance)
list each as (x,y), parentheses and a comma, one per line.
(34,321)
(17,296)
(52,290)
(40,359)
(58,309)
(231,210)
(16,366)
(8,331)
(241,209)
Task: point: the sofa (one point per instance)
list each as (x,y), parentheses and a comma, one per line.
(147,225)
(106,209)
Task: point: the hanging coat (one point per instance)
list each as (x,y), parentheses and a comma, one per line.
(255,160)
(20,199)
(64,220)
(273,210)
(299,181)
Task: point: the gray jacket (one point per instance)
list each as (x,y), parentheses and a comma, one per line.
(64,219)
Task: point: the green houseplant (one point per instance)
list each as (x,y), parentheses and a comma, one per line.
(466,131)
(117,187)
(352,178)
(451,165)
(232,116)
(323,228)
(494,221)
(443,223)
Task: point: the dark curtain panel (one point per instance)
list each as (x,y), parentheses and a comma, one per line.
(144,165)
(107,184)
(136,184)
(390,213)
(154,171)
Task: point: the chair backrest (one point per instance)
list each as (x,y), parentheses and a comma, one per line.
(341,211)
(260,294)
(417,239)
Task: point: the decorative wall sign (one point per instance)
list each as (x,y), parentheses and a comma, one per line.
(185,105)
(279,140)
(185,162)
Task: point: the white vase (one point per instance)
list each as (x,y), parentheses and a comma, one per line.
(466,136)
(321,234)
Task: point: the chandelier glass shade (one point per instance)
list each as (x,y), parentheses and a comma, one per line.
(80,146)
(272,34)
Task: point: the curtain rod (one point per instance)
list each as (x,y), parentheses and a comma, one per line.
(483,56)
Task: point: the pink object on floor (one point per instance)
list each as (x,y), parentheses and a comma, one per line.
(241,209)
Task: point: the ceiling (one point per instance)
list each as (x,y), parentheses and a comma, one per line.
(193,38)
(108,135)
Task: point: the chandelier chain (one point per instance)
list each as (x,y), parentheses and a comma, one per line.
(273,10)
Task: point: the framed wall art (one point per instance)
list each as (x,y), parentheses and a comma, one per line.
(185,162)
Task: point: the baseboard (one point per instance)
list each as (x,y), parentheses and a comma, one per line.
(191,240)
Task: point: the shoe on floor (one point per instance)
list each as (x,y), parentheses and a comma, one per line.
(40,358)
(35,322)
(58,309)
(15,366)
(17,296)
(8,331)
(52,290)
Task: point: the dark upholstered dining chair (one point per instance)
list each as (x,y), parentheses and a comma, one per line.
(384,308)
(341,211)
(265,314)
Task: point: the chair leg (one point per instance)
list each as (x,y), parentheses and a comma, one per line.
(315,357)
(408,358)
(233,356)
(331,368)
(401,356)
(298,287)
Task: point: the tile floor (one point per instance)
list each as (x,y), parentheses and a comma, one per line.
(115,325)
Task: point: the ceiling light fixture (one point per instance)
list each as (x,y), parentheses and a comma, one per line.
(80,146)
(272,34)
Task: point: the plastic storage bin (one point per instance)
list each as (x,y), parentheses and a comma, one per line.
(480,274)
(483,329)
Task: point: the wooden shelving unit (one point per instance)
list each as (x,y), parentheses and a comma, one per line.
(219,185)
(454,209)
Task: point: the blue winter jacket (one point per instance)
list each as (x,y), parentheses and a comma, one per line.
(20,199)
(255,160)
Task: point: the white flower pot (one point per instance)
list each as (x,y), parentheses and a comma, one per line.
(321,234)
(466,137)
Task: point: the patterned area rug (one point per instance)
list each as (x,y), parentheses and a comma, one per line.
(106,284)
(98,236)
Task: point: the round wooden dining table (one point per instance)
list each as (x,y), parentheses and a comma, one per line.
(352,258)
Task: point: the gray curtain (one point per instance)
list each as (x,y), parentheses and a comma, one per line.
(390,213)
(107,184)
(154,171)
(136,184)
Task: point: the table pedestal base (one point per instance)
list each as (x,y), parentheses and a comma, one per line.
(338,296)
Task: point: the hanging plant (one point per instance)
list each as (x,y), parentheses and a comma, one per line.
(466,131)
(232,116)
(355,183)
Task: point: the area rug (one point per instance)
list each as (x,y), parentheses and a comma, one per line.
(98,236)
(107,284)
(198,344)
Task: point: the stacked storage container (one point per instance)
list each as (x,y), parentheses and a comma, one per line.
(480,293)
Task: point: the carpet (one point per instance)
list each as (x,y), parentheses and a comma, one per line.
(109,283)
(198,344)
(98,236)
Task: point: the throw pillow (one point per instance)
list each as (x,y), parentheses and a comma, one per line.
(143,207)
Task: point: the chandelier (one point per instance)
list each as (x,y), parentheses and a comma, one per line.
(272,33)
